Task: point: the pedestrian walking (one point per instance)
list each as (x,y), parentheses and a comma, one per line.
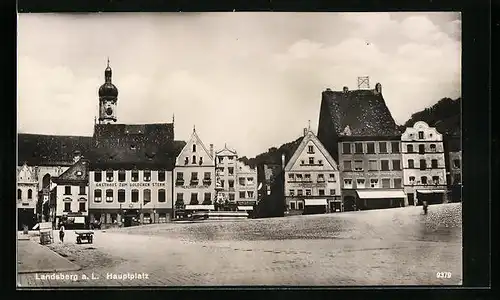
(61,233)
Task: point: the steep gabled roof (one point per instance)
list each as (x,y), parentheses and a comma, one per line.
(42,150)
(226,151)
(76,174)
(144,146)
(195,139)
(310,137)
(364,111)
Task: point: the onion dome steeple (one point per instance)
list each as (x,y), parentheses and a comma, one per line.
(108,89)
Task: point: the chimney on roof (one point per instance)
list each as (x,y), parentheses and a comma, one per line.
(378,89)
(77,155)
(212,150)
(305,131)
(345,89)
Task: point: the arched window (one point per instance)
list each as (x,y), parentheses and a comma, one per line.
(30,194)
(423,179)
(194,159)
(194,148)
(19,194)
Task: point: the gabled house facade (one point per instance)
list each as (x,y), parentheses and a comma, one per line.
(194,179)
(424,165)
(312,179)
(27,196)
(72,196)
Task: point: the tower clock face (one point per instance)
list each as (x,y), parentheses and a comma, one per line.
(109,111)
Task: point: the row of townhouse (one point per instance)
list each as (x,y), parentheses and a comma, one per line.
(372,172)
(361,160)
(125,172)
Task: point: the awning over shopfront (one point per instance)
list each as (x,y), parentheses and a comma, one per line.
(381,194)
(245,207)
(200,207)
(431,191)
(311,202)
(79,220)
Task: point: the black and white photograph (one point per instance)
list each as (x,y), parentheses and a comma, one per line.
(218,149)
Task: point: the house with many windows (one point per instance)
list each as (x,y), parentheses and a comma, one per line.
(194,181)
(72,195)
(358,130)
(424,165)
(312,181)
(246,186)
(131,173)
(371,172)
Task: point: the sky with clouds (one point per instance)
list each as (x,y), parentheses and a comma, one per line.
(251,80)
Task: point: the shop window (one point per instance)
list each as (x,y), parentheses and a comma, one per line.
(300,205)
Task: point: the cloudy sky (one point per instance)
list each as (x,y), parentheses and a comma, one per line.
(251,80)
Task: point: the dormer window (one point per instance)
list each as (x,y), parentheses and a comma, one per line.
(79,173)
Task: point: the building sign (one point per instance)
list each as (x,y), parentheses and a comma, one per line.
(132,184)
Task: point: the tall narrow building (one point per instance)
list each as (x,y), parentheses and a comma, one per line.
(108,97)
(194,176)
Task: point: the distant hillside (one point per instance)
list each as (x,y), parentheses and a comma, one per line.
(444,115)
(273,156)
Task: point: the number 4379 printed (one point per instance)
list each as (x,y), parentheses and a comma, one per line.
(443,275)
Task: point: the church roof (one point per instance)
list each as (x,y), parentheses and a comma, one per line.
(362,112)
(142,146)
(41,150)
(77,173)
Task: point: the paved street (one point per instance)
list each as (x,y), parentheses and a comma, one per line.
(381,247)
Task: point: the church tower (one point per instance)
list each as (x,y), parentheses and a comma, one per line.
(108,96)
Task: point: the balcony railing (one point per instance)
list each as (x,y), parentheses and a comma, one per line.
(207,181)
(179,182)
(194,182)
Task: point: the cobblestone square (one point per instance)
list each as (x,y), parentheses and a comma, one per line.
(380,247)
